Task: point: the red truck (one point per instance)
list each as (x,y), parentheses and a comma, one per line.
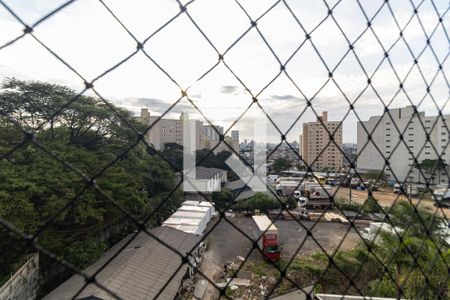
(268,238)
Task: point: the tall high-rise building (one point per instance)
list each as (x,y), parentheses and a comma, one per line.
(317,150)
(234,135)
(235,140)
(414,128)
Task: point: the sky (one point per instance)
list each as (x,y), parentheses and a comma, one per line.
(86,36)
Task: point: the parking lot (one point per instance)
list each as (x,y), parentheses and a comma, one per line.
(226,243)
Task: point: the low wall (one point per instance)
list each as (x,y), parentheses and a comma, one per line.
(23,285)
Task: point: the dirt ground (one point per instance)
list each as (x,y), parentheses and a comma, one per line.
(226,243)
(387,197)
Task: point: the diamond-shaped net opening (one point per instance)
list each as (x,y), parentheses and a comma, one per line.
(94,200)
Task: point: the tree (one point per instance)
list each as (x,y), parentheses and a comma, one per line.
(372,206)
(88,136)
(222,199)
(430,166)
(420,222)
(413,256)
(281,164)
(375,175)
(264,202)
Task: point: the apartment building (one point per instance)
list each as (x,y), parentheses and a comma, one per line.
(235,140)
(234,135)
(210,132)
(414,128)
(315,139)
(169,130)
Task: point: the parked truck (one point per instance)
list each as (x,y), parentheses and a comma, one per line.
(267,234)
(408,189)
(317,194)
(442,197)
(286,188)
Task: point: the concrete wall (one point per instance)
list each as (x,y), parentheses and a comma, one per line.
(23,285)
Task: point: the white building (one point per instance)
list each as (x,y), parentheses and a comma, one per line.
(401,158)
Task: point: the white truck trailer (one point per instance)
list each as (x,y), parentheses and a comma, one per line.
(317,194)
(373,232)
(286,188)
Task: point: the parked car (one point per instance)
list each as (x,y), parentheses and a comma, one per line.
(332,182)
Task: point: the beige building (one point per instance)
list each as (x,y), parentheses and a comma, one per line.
(225,147)
(168,130)
(171,131)
(315,139)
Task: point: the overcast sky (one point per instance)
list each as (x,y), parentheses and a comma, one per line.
(87,37)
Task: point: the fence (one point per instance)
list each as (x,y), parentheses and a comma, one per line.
(411,263)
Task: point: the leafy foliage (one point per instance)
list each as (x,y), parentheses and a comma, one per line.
(222,199)
(263,202)
(370,206)
(281,164)
(430,167)
(407,261)
(83,253)
(375,175)
(36,189)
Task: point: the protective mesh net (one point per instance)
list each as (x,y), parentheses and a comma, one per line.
(413,266)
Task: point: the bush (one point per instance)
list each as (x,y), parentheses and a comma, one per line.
(221,199)
(83,253)
(370,206)
(342,204)
(263,202)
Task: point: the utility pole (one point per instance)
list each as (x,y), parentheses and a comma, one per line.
(350,187)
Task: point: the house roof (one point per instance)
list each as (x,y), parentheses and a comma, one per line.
(140,270)
(236,185)
(206,173)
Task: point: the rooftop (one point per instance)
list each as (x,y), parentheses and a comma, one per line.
(206,173)
(139,271)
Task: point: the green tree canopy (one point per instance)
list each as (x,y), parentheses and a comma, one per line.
(88,135)
(281,164)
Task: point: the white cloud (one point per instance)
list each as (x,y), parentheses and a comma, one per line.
(87,37)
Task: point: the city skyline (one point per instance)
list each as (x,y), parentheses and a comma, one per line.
(84,39)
